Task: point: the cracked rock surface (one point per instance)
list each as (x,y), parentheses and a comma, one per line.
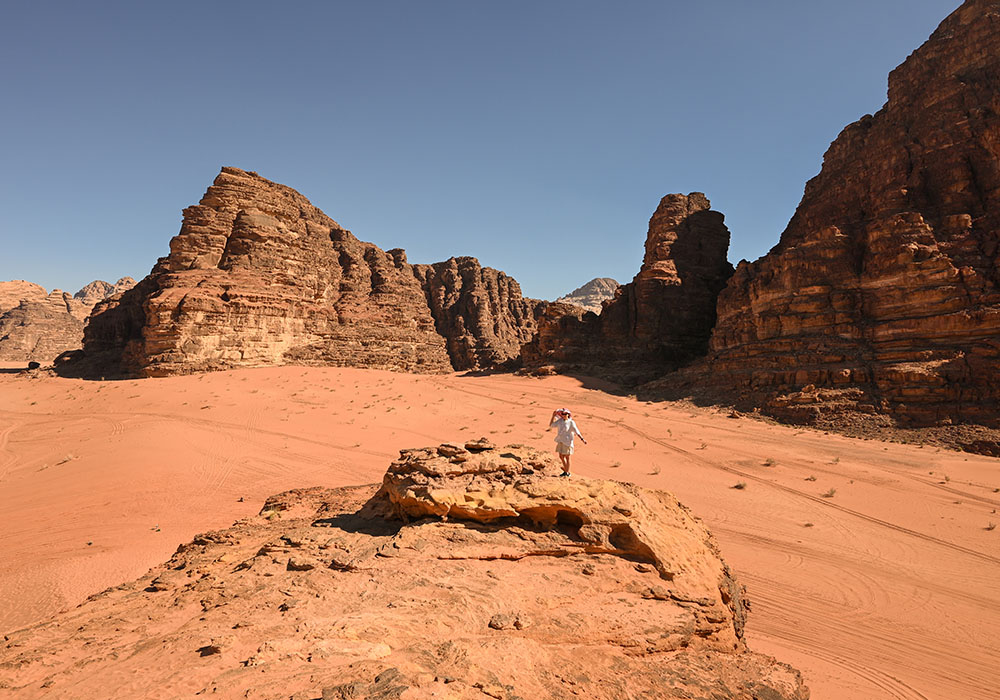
(467,574)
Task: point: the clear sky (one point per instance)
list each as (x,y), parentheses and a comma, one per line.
(536,135)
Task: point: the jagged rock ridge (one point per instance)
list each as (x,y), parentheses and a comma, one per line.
(473,573)
(882,295)
(479,310)
(659,321)
(258,275)
(592,295)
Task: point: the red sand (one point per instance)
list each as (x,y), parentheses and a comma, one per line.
(887,589)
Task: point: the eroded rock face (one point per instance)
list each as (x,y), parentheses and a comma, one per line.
(882,295)
(13,292)
(258,275)
(664,317)
(37,327)
(479,310)
(592,295)
(39,330)
(469,574)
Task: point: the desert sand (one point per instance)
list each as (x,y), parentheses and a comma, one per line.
(884,588)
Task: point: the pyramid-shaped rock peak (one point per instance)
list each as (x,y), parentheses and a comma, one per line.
(883,294)
(258,275)
(473,572)
(660,320)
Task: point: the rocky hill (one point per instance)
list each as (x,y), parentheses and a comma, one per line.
(473,572)
(659,321)
(38,326)
(883,294)
(258,275)
(592,295)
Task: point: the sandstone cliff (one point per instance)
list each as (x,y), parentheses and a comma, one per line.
(479,310)
(13,292)
(258,275)
(473,573)
(592,295)
(882,294)
(39,330)
(659,321)
(37,327)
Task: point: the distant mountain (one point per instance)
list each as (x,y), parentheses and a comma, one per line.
(36,325)
(591,295)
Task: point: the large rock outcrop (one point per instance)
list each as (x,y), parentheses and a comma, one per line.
(479,310)
(36,326)
(592,295)
(13,292)
(882,295)
(663,318)
(471,574)
(258,275)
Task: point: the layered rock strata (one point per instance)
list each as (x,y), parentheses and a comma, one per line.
(473,573)
(258,275)
(592,295)
(659,321)
(39,330)
(479,310)
(38,327)
(882,294)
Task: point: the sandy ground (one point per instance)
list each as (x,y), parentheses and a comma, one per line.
(887,588)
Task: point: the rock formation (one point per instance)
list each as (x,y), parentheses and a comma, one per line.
(36,326)
(592,295)
(479,310)
(663,318)
(13,292)
(40,330)
(882,294)
(472,573)
(258,275)
(99,290)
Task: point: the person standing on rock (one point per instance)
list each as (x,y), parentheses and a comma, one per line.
(562,421)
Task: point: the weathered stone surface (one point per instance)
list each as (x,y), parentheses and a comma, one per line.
(99,290)
(479,310)
(490,579)
(38,326)
(40,330)
(659,321)
(258,275)
(592,295)
(13,292)
(882,295)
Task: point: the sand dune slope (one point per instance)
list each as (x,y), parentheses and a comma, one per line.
(884,588)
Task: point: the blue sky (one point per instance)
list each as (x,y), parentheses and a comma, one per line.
(537,136)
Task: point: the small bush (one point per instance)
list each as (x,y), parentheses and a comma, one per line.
(810,478)
(807,525)
(835,460)
(769,462)
(829,494)
(991,527)
(656,470)
(739,486)
(615,465)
